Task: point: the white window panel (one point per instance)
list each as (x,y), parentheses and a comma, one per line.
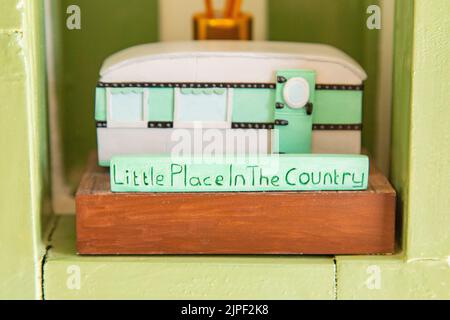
(127,108)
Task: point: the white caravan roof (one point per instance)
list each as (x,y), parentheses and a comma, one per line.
(229,62)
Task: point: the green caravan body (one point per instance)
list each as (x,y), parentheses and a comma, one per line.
(264,97)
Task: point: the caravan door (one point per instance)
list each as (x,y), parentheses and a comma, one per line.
(293,111)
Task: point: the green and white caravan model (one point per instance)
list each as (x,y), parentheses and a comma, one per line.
(310,93)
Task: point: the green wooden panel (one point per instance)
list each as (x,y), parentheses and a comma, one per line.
(253,105)
(11,16)
(338,107)
(392,277)
(23,164)
(181,277)
(107,26)
(420,154)
(160,104)
(419,149)
(428,221)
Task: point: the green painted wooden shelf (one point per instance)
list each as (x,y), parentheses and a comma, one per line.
(235,277)
(180,277)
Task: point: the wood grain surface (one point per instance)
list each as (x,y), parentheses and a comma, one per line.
(345,222)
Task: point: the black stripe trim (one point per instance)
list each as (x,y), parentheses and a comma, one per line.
(339,87)
(219,85)
(333,127)
(101,124)
(252,125)
(160,124)
(191,85)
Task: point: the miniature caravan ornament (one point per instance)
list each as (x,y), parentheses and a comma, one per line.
(300,104)
(301,99)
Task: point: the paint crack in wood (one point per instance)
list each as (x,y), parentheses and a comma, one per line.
(335,278)
(54,225)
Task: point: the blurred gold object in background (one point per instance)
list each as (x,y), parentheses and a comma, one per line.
(227,24)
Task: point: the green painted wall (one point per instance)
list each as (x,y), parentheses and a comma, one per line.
(401,109)
(24,186)
(338,23)
(107,26)
(341,24)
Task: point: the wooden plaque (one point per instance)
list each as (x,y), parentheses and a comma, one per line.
(339,222)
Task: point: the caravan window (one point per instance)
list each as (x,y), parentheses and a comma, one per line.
(205,107)
(127,107)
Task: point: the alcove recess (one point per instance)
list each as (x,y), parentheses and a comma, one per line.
(74,65)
